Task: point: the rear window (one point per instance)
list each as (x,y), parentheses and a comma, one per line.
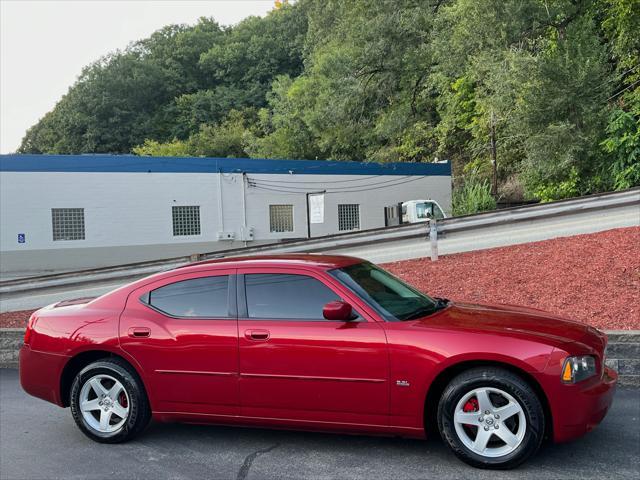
(198,297)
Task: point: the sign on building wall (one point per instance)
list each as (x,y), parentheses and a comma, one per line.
(22,238)
(316,208)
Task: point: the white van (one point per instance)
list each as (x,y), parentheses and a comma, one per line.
(415,211)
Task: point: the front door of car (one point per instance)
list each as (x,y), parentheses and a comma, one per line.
(296,365)
(182,331)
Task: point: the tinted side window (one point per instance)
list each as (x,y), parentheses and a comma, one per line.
(281,296)
(198,297)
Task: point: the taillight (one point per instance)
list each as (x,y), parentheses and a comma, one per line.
(30,324)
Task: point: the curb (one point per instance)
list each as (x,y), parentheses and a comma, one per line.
(623,352)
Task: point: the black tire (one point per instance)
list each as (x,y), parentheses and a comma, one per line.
(139,413)
(505,381)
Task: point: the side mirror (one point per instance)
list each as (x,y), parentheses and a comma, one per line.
(338,310)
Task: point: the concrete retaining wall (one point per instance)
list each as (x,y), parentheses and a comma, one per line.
(623,352)
(10,343)
(623,355)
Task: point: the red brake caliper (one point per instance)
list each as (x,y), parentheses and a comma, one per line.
(471,405)
(123,400)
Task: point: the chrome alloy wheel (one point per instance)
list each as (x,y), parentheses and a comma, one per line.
(104,403)
(490,422)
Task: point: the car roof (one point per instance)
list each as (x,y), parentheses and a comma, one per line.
(420,201)
(318,261)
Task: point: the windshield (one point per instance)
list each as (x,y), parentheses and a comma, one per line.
(428,210)
(424,210)
(391,298)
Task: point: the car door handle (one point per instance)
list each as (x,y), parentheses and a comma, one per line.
(257,335)
(139,332)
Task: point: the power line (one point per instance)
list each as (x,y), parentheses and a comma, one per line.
(317,181)
(333,189)
(413,179)
(624,89)
(616,77)
(347,187)
(329,191)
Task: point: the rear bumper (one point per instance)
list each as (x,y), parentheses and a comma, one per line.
(582,407)
(40,374)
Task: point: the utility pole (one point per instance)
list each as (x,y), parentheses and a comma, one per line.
(433,238)
(494,163)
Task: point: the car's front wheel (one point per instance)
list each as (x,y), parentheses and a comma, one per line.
(491,418)
(108,401)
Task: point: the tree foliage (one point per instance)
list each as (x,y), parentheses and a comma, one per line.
(558,81)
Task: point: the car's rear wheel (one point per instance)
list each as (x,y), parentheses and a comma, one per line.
(491,418)
(108,401)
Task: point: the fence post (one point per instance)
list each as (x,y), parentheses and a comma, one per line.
(433,238)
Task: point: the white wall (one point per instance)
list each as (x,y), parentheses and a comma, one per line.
(385,191)
(119,208)
(128,216)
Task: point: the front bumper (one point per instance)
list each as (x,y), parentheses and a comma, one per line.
(578,409)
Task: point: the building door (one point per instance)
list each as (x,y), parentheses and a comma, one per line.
(393,215)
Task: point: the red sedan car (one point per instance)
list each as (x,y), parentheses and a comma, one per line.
(319,343)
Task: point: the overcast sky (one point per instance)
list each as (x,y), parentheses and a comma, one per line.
(44,45)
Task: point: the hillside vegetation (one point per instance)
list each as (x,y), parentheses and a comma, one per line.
(554,83)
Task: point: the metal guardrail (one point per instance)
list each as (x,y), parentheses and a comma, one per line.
(335,242)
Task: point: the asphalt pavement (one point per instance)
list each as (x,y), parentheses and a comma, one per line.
(39,440)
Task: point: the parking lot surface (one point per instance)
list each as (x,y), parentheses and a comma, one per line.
(39,440)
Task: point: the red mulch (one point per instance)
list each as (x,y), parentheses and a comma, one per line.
(592,278)
(15,319)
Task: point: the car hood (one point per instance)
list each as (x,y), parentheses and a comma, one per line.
(509,319)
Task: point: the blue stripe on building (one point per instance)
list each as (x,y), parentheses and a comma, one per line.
(136,164)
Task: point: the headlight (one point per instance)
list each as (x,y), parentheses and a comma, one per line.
(576,369)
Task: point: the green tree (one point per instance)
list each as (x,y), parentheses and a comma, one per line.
(621,25)
(539,72)
(623,145)
(168,85)
(556,84)
(229,138)
(174,148)
(240,69)
(363,88)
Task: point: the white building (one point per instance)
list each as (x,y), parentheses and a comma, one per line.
(67,212)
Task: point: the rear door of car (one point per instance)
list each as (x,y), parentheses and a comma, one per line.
(183,332)
(296,365)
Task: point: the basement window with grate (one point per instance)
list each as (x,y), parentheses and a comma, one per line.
(280,218)
(186,220)
(67,223)
(348,217)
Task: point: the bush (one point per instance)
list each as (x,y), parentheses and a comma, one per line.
(623,146)
(473,197)
(559,190)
